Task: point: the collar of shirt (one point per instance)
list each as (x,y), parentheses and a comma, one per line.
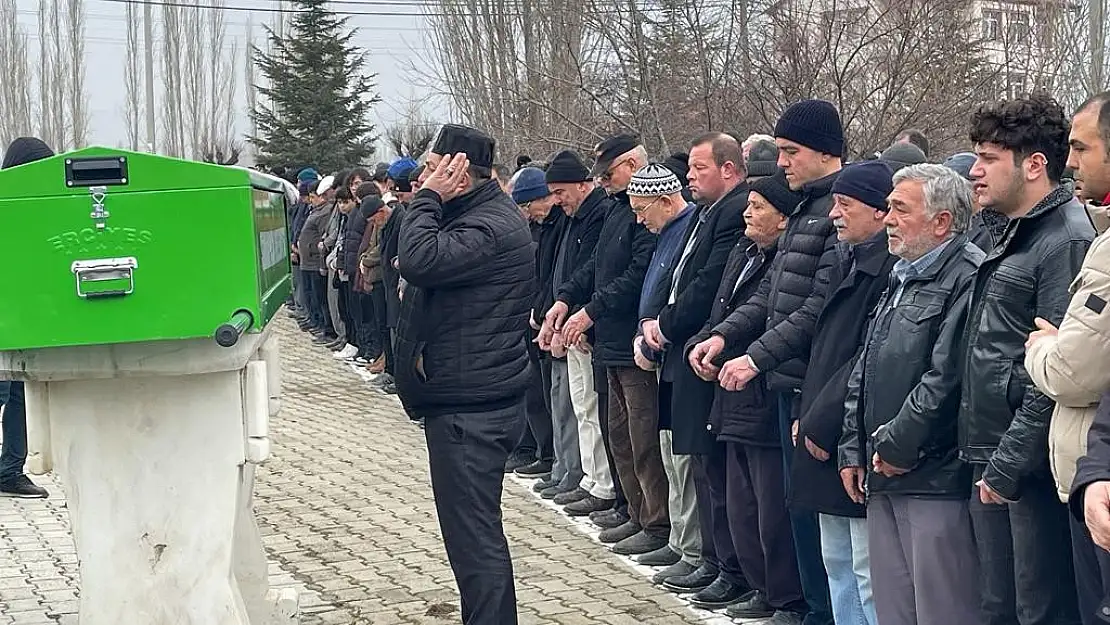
(904,270)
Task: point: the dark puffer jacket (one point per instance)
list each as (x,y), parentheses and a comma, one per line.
(904,392)
(352,240)
(609,287)
(1003,417)
(463,329)
(791,295)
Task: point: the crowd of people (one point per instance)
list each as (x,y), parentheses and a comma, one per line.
(808,391)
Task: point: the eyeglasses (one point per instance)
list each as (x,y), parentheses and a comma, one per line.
(643,208)
(608,175)
(524,206)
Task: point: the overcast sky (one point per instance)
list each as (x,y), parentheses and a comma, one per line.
(393,41)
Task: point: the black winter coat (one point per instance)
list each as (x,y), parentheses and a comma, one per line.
(792,293)
(610,284)
(904,392)
(856,283)
(547,235)
(718,230)
(577,244)
(1003,417)
(352,239)
(463,330)
(748,416)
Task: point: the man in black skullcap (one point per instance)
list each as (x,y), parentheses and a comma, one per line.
(13,481)
(465,252)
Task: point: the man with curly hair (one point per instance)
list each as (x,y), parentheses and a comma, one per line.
(1021,527)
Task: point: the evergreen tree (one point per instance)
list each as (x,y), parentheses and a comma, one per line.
(316,103)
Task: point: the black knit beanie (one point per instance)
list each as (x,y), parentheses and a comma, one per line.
(777,191)
(567,167)
(814,124)
(866,181)
(26,150)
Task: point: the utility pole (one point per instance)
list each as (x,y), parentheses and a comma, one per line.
(151,142)
(1098,45)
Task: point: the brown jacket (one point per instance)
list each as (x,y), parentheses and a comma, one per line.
(1073,367)
(370,259)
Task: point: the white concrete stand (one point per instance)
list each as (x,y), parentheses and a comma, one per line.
(156,446)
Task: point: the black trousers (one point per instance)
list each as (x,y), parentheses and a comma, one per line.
(379,329)
(467,454)
(538,438)
(760,524)
(346,310)
(712,493)
(1025,556)
(601,385)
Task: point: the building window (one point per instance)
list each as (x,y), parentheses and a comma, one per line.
(1017,28)
(992,25)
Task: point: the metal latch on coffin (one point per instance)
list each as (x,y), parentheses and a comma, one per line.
(105,277)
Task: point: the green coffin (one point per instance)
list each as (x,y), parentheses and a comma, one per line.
(106,246)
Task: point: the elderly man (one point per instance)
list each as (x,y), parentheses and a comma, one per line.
(856,282)
(1069,365)
(745,423)
(587,205)
(902,408)
(466,255)
(668,215)
(609,291)
(1021,528)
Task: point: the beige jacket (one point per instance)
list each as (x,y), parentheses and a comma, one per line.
(1073,367)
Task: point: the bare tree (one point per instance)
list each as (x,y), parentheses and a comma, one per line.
(413,133)
(15,89)
(172,118)
(249,81)
(75,64)
(132,79)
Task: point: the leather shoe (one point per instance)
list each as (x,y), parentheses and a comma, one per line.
(784,617)
(697,581)
(537,469)
(755,606)
(543,485)
(608,519)
(678,569)
(588,504)
(721,593)
(617,534)
(570,497)
(660,557)
(516,461)
(640,543)
(557,490)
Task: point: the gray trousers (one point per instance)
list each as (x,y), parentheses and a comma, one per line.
(567,468)
(682,502)
(333,307)
(924,565)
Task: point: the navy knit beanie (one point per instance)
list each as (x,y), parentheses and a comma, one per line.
(530,185)
(866,181)
(814,124)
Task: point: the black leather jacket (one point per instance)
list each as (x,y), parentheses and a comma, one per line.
(904,391)
(1003,417)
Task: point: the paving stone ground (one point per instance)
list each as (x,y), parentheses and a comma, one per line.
(346,511)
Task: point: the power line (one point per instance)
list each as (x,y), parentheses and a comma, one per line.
(267,9)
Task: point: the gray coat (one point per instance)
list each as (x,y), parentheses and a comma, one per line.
(312,259)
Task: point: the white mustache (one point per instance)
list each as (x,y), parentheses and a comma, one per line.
(890,232)
(839,223)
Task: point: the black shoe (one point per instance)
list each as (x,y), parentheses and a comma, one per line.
(608,519)
(678,569)
(755,606)
(22,487)
(569,497)
(390,388)
(382,380)
(640,543)
(543,485)
(784,617)
(324,339)
(697,581)
(516,461)
(660,557)
(617,534)
(537,469)
(583,507)
(721,594)
(337,344)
